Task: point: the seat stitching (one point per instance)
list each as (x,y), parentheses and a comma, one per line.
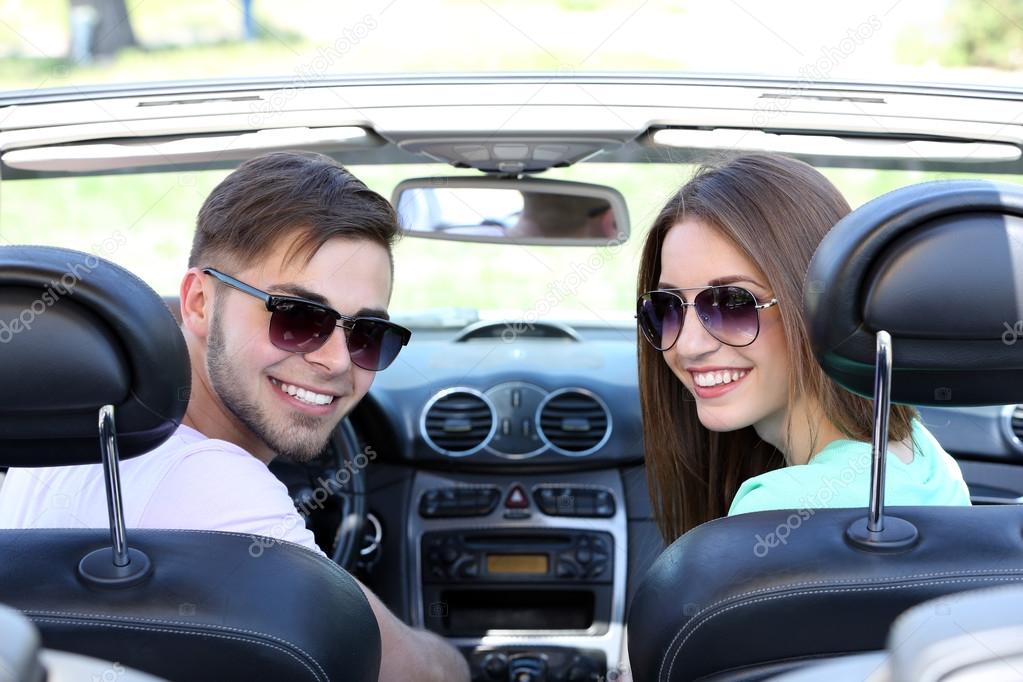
(810,583)
(196,633)
(160,621)
(874,588)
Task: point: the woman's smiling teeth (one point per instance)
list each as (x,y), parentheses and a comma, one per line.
(724,376)
(302,394)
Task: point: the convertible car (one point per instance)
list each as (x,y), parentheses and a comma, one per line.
(491,487)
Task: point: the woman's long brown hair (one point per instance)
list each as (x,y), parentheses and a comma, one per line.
(776,210)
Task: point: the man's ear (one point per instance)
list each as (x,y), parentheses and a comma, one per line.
(196,305)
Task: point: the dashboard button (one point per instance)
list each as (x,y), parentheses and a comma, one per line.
(517,498)
(584,505)
(567,569)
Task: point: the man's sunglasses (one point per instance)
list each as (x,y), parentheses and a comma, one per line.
(730,314)
(301,326)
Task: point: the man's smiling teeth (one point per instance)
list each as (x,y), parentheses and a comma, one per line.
(302,394)
(724,376)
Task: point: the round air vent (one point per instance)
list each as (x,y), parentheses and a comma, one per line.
(1014,425)
(458,421)
(573,422)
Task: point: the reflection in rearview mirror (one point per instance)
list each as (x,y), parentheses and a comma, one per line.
(507,210)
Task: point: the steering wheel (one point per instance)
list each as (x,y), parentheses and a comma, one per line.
(330,494)
(350,478)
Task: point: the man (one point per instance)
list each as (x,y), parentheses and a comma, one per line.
(556,216)
(264,384)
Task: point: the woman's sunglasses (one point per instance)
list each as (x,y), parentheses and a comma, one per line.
(729,314)
(301,326)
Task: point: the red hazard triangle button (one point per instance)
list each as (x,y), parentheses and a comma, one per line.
(516,498)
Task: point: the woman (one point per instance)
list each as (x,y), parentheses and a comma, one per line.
(737,414)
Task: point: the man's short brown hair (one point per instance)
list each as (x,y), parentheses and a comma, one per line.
(308,198)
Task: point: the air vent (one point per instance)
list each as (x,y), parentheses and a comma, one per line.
(574,422)
(1016,422)
(458,422)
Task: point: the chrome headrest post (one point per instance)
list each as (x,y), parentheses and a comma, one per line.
(875,532)
(116,566)
(112,478)
(879,447)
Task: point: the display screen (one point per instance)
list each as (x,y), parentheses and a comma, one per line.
(535,564)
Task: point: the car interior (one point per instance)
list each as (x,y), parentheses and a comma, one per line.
(491,487)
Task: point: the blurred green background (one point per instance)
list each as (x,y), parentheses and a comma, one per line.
(911,40)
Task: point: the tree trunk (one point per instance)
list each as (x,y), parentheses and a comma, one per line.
(112,30)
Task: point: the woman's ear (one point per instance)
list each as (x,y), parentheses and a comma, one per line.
(196,305)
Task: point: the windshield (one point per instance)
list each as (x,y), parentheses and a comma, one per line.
(146,222)
(61,43)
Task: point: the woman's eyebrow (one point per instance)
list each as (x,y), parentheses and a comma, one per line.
(731,279)
(717,282)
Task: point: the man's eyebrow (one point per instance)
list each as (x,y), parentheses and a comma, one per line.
(373,312)
(301,292)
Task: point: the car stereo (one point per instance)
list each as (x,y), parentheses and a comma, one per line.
(512,556)
(477,582)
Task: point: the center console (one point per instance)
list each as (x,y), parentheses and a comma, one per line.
(525,574)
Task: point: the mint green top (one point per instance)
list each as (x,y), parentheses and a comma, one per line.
(839,476)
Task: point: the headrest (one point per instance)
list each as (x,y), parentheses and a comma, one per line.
(76,333)
(174,305)
(939,266)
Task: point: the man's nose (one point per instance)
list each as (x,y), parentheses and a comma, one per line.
(333,355)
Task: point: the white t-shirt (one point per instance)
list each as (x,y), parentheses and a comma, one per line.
(190,482)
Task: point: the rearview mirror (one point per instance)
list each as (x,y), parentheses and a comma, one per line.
(511,210)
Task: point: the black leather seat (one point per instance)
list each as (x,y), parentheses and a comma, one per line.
(936,265)
(207,608)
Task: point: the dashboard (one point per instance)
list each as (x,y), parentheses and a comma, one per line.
(488,400)
(508,504)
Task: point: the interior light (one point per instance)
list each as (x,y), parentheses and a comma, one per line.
(741,139)
(100,156)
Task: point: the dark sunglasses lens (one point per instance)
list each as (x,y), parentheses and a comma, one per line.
(299,327)
(373,344)
(660,318)
(729,314)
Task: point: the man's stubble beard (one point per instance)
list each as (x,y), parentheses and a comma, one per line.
(299,441)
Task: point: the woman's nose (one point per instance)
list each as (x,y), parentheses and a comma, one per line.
(694,340)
